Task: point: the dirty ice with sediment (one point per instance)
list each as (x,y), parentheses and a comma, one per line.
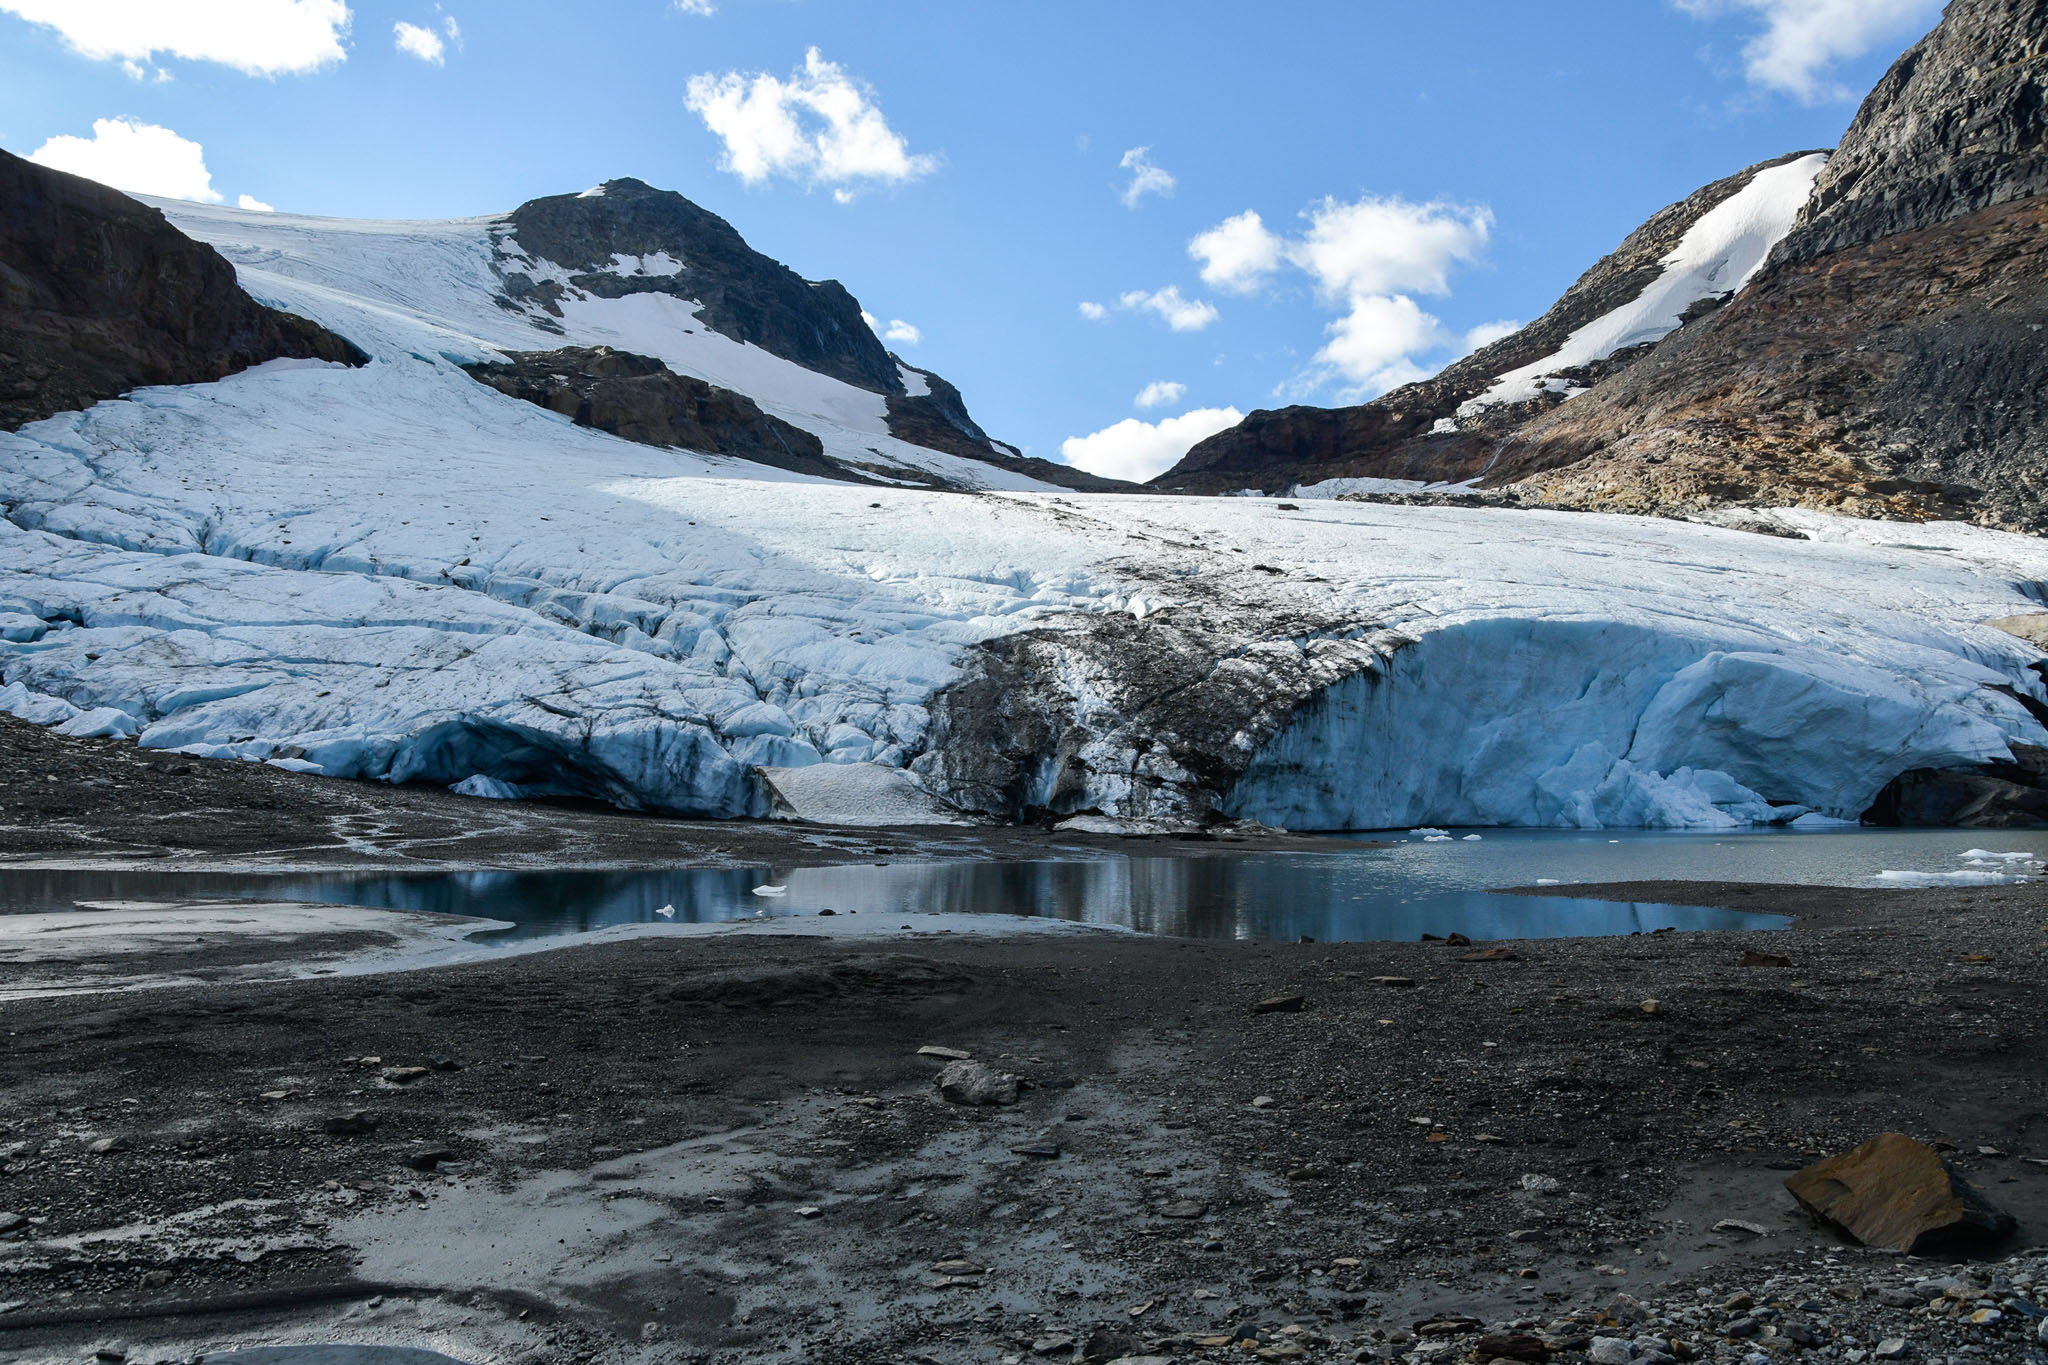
(397,573)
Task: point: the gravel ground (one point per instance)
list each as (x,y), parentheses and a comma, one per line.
(731,1149)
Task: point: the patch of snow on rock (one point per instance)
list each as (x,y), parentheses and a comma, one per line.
(1717,256)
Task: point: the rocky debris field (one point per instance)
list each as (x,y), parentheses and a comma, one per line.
(714,1149)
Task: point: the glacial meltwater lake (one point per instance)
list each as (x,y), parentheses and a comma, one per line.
(1410,886)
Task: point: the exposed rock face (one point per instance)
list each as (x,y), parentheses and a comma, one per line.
(1154,718)
(641,399)
(1391,437)
(99,295)
(745,295)
(1897,1193)
(1959,123)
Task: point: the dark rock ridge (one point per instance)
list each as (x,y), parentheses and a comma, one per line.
(100,295)
(1391,438)
(745,295)
(1892,358)
(641,399)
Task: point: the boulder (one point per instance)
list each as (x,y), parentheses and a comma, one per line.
(1897,1193)
(967,1082)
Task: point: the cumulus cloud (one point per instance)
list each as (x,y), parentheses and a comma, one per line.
(1801,39)
(1146,178)
(253,204)
(1161,392)
(1370,256)
(1238,253)
(899,330)
(258,37)
(422,43)
(141,158)
(1094,312)
(820,126)
(704,7)
(1181,314)
(1138,451)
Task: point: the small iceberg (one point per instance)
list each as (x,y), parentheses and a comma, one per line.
(771,891)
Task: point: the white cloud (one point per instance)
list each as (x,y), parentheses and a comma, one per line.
(1238,253)
(453,30)
(253,204)
(1137,450)
(1146,178)
(422,43)
(258,37)
(1801,39)
(874,323)
(1092,311)
(899,330)
(820,126)
(1371,256)
(1161,392)
(695,7)
(1182,315)
(1372,346)
(1385,246)
(138,157)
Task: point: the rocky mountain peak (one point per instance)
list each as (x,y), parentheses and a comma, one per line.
(1959,123)
(745,295)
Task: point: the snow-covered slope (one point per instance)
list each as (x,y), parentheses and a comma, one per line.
(395,572)
(429,291)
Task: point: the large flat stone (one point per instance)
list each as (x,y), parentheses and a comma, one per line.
(1898,1193)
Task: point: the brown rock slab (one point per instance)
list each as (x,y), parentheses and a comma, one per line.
(1751,958)
(1512,1346)
(1898,1193)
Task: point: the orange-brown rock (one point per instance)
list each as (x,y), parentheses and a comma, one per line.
(1898,1193)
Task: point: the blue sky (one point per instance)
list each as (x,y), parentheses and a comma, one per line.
(1418,172)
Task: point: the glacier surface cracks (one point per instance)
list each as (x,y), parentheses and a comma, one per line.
(394,572)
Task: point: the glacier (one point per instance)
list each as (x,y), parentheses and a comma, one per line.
(396,573)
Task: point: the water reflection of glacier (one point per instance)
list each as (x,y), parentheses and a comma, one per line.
(1395,890)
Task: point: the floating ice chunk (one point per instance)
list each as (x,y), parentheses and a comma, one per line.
(1548,881)
(1429,831)
(665,911)
(1985,854)
(1438,839)
(490,788)
(1474,838)
(771,891)
(1966,877)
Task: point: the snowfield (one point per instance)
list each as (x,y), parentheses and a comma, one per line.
(397,573)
